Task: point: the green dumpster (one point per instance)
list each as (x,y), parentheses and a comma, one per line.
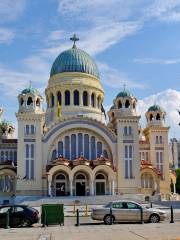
(52,214)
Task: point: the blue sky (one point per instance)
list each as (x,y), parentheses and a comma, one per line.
(134,42)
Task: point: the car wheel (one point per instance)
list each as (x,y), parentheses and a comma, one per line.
(25,222)
(154,218)
(107,219)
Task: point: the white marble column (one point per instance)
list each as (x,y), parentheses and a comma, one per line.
(112,192)
(49,188)
(174,186)
(71,187)
(92,188)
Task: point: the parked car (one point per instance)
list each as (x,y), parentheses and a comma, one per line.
(19,215)
(127,211)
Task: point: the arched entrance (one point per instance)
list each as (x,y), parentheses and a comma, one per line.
(61,184)
(81,181)
(100,184)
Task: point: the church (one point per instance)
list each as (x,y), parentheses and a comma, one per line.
(70,149)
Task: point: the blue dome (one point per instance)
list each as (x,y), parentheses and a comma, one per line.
(124,93)
(74,60)
(31,90)
(155,108)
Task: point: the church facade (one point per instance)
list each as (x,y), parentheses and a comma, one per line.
(70,150)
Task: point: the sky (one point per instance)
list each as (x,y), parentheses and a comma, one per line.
(134,42)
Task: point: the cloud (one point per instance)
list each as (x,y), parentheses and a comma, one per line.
(94,40)
(11,10)
(13,81)
(113,78)
(164,10)
(169,100)
(157,61)
(6,35)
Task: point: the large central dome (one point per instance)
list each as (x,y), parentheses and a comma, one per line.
(74,60)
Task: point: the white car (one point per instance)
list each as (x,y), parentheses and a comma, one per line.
(127,211)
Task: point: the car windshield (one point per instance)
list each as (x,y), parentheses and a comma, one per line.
(108,205)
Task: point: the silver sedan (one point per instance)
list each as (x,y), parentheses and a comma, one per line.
(127,211)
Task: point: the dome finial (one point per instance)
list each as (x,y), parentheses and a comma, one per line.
(124,86)
(74,38)
(30,84)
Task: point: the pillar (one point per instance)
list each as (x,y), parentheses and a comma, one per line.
(71,187)
(174,186)
(92,188)
(112,192)
(110,188)
(49,187)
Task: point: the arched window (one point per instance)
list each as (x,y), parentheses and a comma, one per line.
(134,104)
(73,146)
(127,104)
(38,102)
(93,148)
(27,129)
(92,100)
(76,97)
(32,129)
(11,156)
(125,131)
(54,154)
(158,116)
(85,98)
(99,149)
(86,146)
(21,101)
(80,144)
(99,102)
(80,176)
(160,139)
(29,101)
(32,150)
(47,100)
(67,147)
(151,117)
(105,154)
(60,148)
(60,176)
(130,130)
(100,176)
(67,97)
(157,139)
(52,100)
(27,150)
(119,104)
(59,97)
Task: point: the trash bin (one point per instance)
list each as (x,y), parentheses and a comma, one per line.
(52,214)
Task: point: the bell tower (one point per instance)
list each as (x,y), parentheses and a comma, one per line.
(123,119)
(30,117)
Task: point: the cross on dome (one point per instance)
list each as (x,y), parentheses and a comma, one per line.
(74,38)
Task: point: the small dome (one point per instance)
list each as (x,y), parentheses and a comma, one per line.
(74,60)
(31,90)
(124,93)
(112,107)
(155,108)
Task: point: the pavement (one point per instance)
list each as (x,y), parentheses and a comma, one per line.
(160,231)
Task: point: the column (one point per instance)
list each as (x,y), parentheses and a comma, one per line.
(174,186)
(112,187)
(80,98)
(110,190)
(49,188)
(92,188)
(71,187)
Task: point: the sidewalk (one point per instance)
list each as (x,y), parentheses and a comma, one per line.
(161,231)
